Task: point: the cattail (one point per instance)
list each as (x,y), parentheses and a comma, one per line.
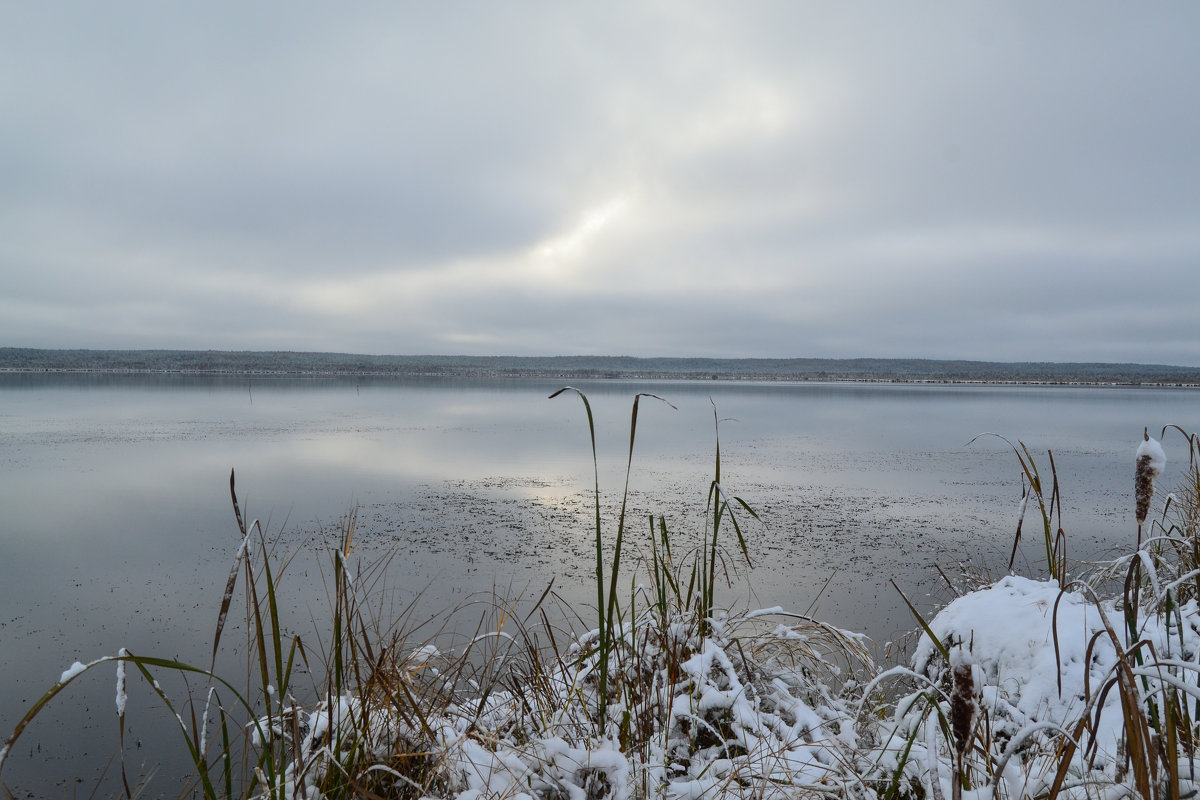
(1151,460)
(962,706)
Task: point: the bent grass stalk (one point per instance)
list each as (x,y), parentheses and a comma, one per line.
(143,665)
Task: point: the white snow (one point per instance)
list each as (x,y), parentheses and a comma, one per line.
(424,654)
(1158,458)
(72,671)
(1043,659)
(1009,631)
(1039,656)
(122,697)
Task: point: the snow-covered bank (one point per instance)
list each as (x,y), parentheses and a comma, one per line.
(785,710)
(1026,690)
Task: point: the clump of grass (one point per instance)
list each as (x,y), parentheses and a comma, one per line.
(1177,533)
(1054,538)
(365,724)
(653,674)
(607,610)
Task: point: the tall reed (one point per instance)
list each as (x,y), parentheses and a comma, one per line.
(606,610)
(1054,538)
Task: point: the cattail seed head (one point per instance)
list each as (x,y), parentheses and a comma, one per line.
(1151,460)
(962,706)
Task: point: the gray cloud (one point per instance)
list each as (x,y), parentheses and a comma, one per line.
(1000,182)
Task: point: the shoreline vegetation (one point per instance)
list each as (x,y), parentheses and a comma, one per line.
(1067,684)
(268,364)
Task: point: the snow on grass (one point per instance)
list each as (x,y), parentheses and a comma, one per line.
(71,672)
(758,708)
(1030,640)
(122,695)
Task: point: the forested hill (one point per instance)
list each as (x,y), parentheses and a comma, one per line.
(583,367)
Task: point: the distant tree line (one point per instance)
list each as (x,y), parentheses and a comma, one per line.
(214,362)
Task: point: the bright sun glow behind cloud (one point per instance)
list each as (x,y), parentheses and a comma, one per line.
(822,179)
(556,259)
(573,243)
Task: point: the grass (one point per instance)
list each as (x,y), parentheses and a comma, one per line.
(664,693)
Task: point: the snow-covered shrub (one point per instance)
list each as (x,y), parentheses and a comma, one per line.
(755,704)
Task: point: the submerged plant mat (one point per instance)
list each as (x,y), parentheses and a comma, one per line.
(519,531)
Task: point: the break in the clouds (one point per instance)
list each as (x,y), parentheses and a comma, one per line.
(992,181)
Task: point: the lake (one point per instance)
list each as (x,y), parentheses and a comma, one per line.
(117,528)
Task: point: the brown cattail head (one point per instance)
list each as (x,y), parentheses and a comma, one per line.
(1150,463)
(962,706)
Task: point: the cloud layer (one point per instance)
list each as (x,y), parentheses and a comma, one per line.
(1002,182)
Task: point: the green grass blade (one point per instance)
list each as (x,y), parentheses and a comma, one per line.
(616,562)
(600,606)
(924,625)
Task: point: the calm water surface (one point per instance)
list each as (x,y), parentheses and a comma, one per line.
(117,529)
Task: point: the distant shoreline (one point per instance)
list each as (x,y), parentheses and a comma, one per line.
(281,364)
(631,377)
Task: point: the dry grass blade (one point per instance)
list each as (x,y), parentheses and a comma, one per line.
(941,647)
(1054,545)
(1058,678)
(1025,489)
(230,585)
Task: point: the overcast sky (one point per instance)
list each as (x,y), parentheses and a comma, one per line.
(998,181)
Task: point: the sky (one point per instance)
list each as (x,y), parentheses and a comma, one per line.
(1014,181)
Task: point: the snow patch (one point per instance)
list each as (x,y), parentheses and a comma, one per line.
(72,671)
(122,697)
(1158,459)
